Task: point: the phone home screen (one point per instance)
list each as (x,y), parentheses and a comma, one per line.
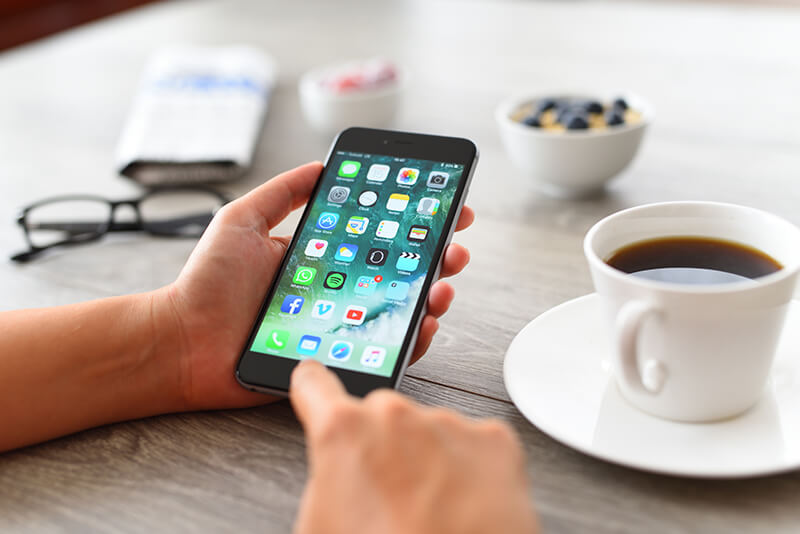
(348,292)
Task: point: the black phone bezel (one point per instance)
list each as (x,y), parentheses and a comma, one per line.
(270,373)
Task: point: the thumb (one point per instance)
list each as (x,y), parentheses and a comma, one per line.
(281,195)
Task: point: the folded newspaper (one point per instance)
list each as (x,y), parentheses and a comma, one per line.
(197,116)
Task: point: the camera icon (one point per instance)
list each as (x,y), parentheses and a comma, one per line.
(438,179)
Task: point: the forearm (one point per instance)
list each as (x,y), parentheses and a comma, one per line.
(73,367)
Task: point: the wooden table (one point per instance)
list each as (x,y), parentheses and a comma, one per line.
(724,81)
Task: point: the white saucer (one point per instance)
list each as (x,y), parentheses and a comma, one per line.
(557,371)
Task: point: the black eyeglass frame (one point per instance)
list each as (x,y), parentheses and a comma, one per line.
(110,226)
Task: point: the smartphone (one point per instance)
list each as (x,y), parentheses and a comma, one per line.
(352,288)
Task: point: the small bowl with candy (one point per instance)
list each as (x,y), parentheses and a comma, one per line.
(355,93)
(572,145)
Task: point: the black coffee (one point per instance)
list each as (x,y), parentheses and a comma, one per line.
(693,260)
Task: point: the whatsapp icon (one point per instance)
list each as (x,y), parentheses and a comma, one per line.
(303,276)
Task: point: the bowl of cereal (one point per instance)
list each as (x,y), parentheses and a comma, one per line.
(354,93)
(572,145)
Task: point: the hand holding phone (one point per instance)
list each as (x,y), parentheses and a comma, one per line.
(352,288)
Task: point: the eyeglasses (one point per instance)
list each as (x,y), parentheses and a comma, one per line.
(76,219)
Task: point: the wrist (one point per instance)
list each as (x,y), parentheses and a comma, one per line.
(166,355)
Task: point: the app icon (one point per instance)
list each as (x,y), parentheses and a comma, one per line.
(327,220)
(397,290)
(349,169)
(408,261)
(340,351)
(277,339)
(438,179)
(346,252)
(407,176)
(377,256)
(378,172)
(354,315)
(373,356)
(338,194)
(365,285)
(309,345)
(334,280)
(323,309)
(367,198)
(397,202)
(316,248)
(292,304)
(387,229)
(428,206)
(357,225)
(303,276)
(418,232)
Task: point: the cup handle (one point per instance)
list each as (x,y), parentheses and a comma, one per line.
(649,378)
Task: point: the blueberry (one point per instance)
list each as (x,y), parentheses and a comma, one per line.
(546,104)
(615,117)
(592,106)
(620,103)
(532,120)
(576,122)
(567,111)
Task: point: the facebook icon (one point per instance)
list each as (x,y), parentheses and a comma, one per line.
(292,304)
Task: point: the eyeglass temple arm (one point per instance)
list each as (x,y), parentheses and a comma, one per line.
(77,228)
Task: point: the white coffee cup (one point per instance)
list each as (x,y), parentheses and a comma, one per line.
(694,352)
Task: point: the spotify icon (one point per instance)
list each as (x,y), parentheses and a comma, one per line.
(335,280)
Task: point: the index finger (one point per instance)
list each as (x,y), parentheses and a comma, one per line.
(313,391)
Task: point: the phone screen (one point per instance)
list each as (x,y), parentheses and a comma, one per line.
(351,282)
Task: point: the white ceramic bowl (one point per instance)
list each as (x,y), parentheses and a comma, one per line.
(329,112)
(573,163)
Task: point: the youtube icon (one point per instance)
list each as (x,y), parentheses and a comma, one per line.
(354,315)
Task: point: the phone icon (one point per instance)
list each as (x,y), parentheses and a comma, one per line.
(357,225)
(407,176)
(340,351)
(316,248)
(397,290)
(327,220)
(418,232)
(408,261)
(378,172)
(377,256)
(428,206)
(292,304)
(334,280)
(323,309)
(303,276)
(346,252)
(277,339)
(338,194)
(349,169)
(309,345)
(373,356)
(397,202)
(354,315)
(387,229)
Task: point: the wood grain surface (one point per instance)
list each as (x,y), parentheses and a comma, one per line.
(723,80)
